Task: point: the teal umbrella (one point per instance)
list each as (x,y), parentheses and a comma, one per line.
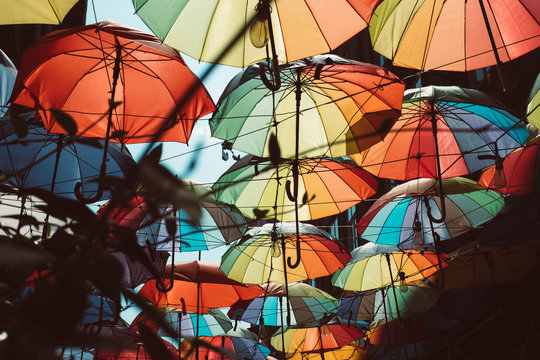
(8,73)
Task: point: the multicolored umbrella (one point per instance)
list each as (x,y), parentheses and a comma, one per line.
(381,270)
(444,131)
(8,72)
(456,36)
(308,305)
(139,352)
(212,323)
(517,174)
(402,216)
(328,187)
(197,286)
(56,162)
(317,339)
(265,251)
(381,304)
(240,342)
(299,29)
(220,224)
(533,104)
(35,12)
(352,351)
(338,106)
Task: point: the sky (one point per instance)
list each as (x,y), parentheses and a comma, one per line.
(177,156)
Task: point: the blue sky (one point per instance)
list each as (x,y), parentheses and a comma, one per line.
(177,156)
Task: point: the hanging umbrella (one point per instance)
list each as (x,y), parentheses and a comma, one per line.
(380,304)
(117,83)
(328,186)
(56,162)
(139,352)
(338,106)
(136,273)
(517,174)
(213,323)
(533,104)
(8,72)
(240,342)
(35,12)
(402,216)
(381,270)
(100,309)
(352,351)
(317,339)
(471,130)
(457,36)
(197,286)
(308,305)
(220,224)
(264,252)
(297,29)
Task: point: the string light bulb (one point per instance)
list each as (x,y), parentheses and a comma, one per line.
(403,288)
(418,239)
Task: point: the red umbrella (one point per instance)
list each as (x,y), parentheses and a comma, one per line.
(197,286)
(516,174)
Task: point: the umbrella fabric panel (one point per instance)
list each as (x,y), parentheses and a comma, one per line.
(8,72)
(442,35)
(214,24)
(35,11)
(533,104)
(153,79)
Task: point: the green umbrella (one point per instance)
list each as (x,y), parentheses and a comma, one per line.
(533,104)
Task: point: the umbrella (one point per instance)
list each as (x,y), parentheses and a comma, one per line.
(240,342)
(339,107)
(213,323)
(380,304)
(328,187)
(35,12)
(136,273)
(197,286)
(117,83)
(138,353)
(308,305)
(220,224)
(457,36)
(317,339)
(517,174)
(264,252)
(100,309)
(470,129)
(381,270)
(57,162)
(533,104)
(8,72)
(297,29)
(352,351)
(402,216)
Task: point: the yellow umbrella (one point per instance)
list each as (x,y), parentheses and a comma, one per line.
(353,351)
(34,11)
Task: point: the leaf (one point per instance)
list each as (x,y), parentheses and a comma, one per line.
(170,224)
(65,121)
(19,124)
(95,143)
(155,155)
(275,151)
(24,220)
(118,134)
(154,345)
(260,214)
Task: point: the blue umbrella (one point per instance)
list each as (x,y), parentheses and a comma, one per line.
(8,73)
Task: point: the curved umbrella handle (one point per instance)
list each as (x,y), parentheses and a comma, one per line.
(443,208)
(275,71)
(160,286)
(80,196)
(298,257)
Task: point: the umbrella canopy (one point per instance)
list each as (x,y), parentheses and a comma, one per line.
(447,127)
(100,309)
(300,28)
(381,270)
(352,351)
(519,173)
(135,272)
(139,352)
(264,252)
(220,224)
(328,186)
(454,35)
(401,215)
(344,107)
(8,72)
(35,11)
(315,339)
(152,80)
(308,305)
(213,323)
(533,104)
(56,162)
(198,286)
(240,342)
(381,304)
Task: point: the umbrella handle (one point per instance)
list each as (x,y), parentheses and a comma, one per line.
(160,286)
(298,258)
(277,77)
(80,196)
